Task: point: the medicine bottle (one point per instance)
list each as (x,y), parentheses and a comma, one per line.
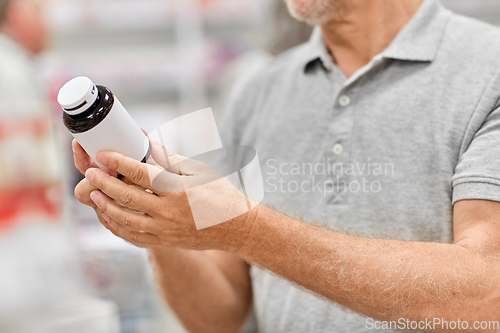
(98,121)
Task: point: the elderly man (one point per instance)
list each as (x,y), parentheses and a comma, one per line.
(387,122)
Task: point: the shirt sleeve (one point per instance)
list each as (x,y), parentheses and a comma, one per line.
(477,175)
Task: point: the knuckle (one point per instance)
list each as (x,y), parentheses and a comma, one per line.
(117,232)
(104,223)
(127,220)
(127,198)
(133,237)
(136,174)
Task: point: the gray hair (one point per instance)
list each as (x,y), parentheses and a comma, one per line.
(4,4)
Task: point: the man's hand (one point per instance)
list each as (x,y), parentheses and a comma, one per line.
(209,290)
(155,208)
(383,279)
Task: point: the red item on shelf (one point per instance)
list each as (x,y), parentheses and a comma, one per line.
(23,203)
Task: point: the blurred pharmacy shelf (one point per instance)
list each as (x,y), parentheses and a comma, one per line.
(150,51)
(119,273)
(125,14)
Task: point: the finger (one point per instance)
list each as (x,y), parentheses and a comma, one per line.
(172,162)
(101,219)
(125,217)
(127,195)
(83,162)
(129,182)
(206,174)
(82,192)
(164,157)
(141,239)
(142,174)
(193,172)
(82,159)
(108,227)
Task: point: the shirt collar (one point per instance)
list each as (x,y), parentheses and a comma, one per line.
(419,40)
(316,49)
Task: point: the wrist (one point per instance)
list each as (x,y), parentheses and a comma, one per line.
(160,253)
(249,237)
(271,233)
(234,233)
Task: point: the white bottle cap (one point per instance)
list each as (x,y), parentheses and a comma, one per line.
(77,95)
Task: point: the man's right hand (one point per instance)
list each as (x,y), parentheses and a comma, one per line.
(209,290)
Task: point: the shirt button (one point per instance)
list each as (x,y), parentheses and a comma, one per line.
(344,100)
(337,149)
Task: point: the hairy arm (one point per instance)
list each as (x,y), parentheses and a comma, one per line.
(384,279)
(388,279)
(209,290)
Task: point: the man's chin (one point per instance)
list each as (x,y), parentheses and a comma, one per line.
(314,12)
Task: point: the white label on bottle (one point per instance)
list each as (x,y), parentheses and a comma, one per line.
(116,132)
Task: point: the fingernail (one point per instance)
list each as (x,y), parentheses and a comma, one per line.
(101,158)
(89,175)
(94,196)
(106,217)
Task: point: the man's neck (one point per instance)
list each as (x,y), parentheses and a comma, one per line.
(365,29)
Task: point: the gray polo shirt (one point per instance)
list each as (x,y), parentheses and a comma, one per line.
(384,153)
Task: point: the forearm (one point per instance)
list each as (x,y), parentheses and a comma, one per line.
(383,279)
(380,278)
(199,288)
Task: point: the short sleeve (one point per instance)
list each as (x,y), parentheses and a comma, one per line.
(477,174)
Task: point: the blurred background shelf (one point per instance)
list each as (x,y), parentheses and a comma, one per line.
(151,51)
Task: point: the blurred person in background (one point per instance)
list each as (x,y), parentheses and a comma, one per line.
(34,245)
(29,179)
(401,94)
